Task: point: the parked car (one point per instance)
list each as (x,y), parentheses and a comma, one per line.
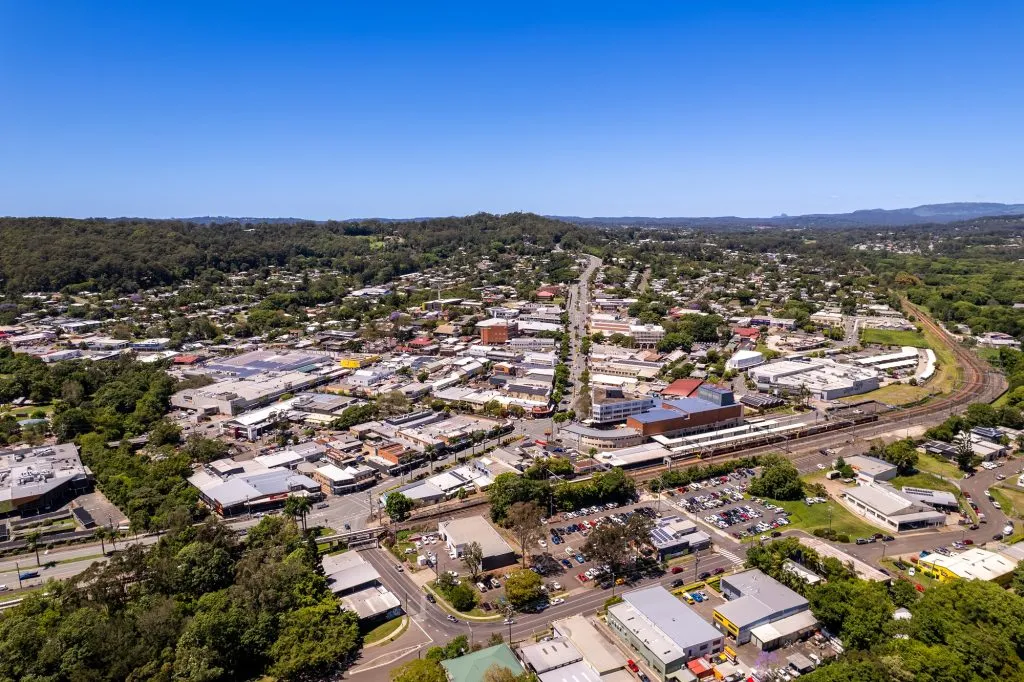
(631,664)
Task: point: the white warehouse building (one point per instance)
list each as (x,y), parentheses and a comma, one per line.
(825,379)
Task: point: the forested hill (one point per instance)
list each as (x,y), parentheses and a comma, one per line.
(46,254)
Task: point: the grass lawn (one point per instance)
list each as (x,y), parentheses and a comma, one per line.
(475,612)
(940,467)
(893,337)
(384,630)
(919,577)
(893,394)
(949,372)
(923,479)
(1012,501)
(804,517)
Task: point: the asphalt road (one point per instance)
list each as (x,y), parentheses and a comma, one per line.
(579,297)
(586,599)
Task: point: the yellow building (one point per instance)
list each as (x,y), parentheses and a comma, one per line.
(360,361)
(974,564)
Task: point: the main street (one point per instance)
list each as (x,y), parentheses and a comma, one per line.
(578,304)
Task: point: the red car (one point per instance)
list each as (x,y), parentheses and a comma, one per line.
(633,666)
(677,569)
(968,541)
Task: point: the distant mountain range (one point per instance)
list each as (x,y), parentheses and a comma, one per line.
(875,217)
(929,213)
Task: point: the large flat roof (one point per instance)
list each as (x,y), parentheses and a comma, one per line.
(597,650)
(666,625)
(476,529)
(30,473)
(761,597)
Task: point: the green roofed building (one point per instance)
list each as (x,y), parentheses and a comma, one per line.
(471,667)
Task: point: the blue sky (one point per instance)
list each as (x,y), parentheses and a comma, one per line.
(344,109)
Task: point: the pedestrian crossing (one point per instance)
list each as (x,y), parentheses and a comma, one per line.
(735,560)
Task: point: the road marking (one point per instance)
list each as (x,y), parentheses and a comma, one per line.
(728,555)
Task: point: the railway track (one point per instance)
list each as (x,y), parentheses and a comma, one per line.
(979,384)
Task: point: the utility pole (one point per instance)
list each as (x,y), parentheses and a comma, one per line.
(17,567)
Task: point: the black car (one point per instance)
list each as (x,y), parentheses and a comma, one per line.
(705,575)
(887,538)
(997,536)
(430,598)
(776,534)
(678,582)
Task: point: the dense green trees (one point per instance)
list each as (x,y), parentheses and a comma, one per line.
(959,631)
(125,255)
(778,479)
(195,606)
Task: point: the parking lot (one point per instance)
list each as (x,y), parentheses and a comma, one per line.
(567,534)
(721,503)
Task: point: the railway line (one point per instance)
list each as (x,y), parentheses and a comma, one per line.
(979,383)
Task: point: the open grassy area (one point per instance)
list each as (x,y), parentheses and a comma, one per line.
(476,612)
(893,394)
(384,630)
(923,479)
(893,337)
(808,517)
(1012,501)
(940,467)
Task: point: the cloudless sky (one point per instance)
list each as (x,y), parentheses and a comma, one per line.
(355,109)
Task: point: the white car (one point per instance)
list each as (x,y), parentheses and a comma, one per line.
(556,601)
(556,585)
(542,543)
(996,505)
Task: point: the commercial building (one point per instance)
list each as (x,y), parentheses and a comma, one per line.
(685,416)
(744,359)
(496,331)
(870,469)
(472,667)
(583,438)
(646,335)
(253,379)
(340,480)
(348,573)
(34,480)
(231,488)
(936,499)
(756,599)
(458,533)
(673,536)
(598,651)
(905,353)
(883,505)
(610,405)
(824,379)
(662,630)
(372,605)
(974,564)
(682,388)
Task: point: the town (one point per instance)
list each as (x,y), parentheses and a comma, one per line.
(654,458)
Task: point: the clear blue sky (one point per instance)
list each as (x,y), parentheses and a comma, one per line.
(346,109)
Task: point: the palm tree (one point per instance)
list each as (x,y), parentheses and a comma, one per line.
(298,506)
(101,535)
(304,506)
(430,451)
(33,543)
